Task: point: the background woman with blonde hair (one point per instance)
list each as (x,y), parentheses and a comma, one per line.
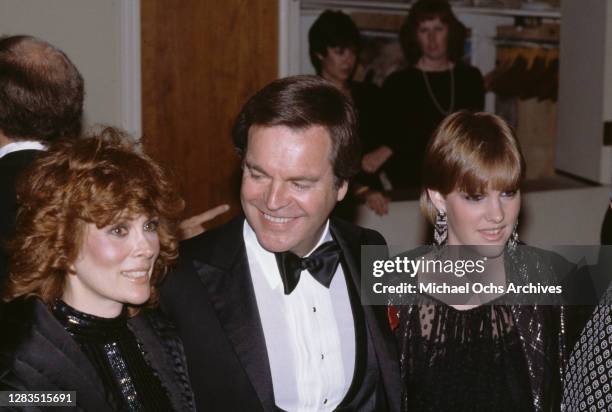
(96,232)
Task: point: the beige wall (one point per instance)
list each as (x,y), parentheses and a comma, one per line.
(606,155)
(581,89)
(607,115)
(89,31)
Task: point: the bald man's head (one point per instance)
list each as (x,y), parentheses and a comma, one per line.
(41,91)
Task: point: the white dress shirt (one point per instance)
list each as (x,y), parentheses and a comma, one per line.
(310,334)
(20,145)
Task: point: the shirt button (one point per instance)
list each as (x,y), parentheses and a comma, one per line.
(314,308)
(325,401)
(322,356)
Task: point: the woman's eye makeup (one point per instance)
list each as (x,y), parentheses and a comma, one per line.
(118,230)
(151,225)
(473,197)
(122,229)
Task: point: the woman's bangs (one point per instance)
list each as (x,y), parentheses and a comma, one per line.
(503,174)
(110,205)
(430,15)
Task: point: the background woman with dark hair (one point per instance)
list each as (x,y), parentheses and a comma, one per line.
(96,232)
(334,43)
(435,84)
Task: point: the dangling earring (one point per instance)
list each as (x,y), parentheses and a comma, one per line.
(513,241)
(441,228)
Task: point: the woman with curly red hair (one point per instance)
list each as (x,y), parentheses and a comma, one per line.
(96,232)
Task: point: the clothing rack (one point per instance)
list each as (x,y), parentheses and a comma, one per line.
(544,35)
(500,41)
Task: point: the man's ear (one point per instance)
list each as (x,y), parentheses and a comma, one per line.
(342,190)
(437,199)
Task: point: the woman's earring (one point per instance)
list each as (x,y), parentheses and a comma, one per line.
(513,241)
(441,228)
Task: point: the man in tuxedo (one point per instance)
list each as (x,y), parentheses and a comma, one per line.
(41,99)
(268,305)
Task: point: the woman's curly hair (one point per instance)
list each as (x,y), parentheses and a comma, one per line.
(98,179)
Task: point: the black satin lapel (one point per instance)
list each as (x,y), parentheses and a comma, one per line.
(351,251)
(361,338)
(232,296)
(375,317)
(62,362)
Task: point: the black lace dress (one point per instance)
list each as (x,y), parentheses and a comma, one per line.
(507,355)
(455,360)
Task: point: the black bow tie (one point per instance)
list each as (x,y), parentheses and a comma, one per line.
(321,264)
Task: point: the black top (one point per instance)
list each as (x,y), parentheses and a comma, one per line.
(464,360)
(117,357)
(37,353)
(367,101)
(411,115)
(505,356)
(366,98)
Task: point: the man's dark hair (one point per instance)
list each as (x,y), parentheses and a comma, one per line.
(300,102)
(331,29)
(41,91)
(424,10)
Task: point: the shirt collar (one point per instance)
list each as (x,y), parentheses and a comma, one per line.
(267,260)
(21,145)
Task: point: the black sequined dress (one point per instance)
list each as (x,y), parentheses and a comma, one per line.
(495,357)
(117,357)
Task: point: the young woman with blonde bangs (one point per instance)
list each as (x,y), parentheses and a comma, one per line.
(483,354)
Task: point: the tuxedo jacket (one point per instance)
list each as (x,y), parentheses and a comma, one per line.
(210,299)
(11,166)
(606,228)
